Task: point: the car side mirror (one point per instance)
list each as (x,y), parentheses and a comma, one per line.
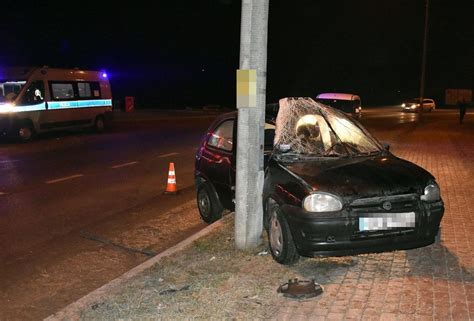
(386,146)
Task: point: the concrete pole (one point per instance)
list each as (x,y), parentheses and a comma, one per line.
(423,59)
(250,127)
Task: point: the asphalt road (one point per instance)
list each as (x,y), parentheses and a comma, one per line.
(77,209)
(69,193)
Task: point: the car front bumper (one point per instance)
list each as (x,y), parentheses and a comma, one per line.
(338,234)
(409,109)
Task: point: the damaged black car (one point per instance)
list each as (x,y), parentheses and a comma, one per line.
(330,188)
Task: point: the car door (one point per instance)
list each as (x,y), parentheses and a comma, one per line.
(217,160)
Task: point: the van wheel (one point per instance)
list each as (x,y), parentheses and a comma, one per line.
(282,247)
(210,208)
(99,124)
(25,132)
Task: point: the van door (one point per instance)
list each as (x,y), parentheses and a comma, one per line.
(33,102)
(62,108)
(89,100)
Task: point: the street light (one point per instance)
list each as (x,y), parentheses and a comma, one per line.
(423,59)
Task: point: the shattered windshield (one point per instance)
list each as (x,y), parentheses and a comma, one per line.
(9,90)
(305,128)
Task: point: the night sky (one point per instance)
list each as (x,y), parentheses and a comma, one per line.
(185,53)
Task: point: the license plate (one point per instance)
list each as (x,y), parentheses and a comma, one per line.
(386,221)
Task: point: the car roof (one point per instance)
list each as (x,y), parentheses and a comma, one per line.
(339,96)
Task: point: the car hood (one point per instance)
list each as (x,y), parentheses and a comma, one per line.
(362,176)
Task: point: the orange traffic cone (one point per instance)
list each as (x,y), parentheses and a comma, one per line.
(171,186)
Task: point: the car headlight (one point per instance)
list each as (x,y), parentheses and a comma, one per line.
(322,202)
(403,105)
(413,106)
(431,193)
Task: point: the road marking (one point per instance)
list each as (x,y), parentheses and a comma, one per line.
(168,155)
(57,180)
(7,161)
(123,165)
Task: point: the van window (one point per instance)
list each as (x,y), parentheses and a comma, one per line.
(344,105)
(84,89)
(89,89)
(34,94)
(62,91)
(9,90)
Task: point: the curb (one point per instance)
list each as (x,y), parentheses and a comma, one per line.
(73,310)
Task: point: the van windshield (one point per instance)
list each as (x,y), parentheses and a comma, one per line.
(346,106)
(9,89)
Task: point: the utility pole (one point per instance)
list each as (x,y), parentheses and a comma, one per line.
(423,59)
(251,89)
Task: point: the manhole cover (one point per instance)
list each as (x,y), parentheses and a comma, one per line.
(300,289)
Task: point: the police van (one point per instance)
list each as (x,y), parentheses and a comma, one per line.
(35,100)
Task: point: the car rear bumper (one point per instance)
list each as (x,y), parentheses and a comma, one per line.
(339,235)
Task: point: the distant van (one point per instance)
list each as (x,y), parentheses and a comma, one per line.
(348,103)
(35,100)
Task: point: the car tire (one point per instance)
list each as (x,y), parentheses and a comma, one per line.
(209,206)
(99,124)
(280,240)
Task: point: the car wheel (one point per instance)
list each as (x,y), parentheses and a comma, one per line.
(210,208)
(25,132)
(280,240)
(99,124)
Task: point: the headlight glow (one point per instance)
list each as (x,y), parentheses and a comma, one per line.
(6,108)
(431,193)
(403,105)
(322,202)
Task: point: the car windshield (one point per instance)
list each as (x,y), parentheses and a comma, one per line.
(9,89)
(305,128)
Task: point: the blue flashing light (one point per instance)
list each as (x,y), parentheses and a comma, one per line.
(104,75)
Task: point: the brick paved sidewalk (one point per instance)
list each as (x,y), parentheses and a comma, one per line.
(430,283)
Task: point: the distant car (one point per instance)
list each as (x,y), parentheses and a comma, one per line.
(414,105)
(330,187)
(348,103)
